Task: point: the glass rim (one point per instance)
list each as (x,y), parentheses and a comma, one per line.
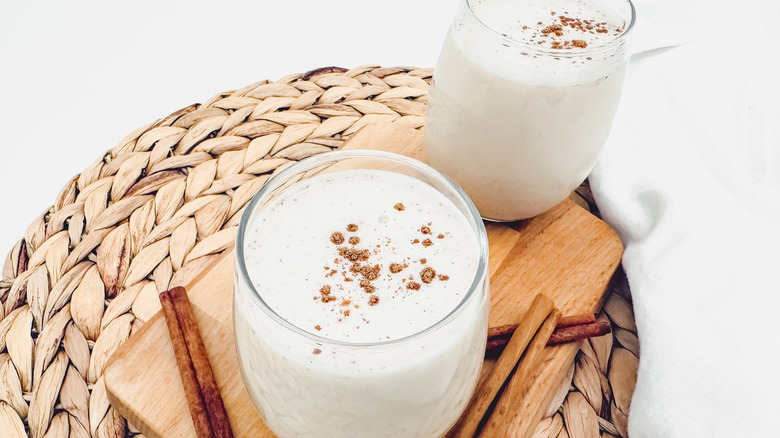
(309,163)
(562,53)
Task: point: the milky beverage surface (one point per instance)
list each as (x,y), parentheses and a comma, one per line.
(557,26)
(361,256)
(519,112)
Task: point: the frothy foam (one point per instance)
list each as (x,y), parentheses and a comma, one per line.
(408,261)
(579,34)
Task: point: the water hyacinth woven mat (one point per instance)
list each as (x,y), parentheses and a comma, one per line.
(166,201)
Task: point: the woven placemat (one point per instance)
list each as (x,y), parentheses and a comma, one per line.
(161,205)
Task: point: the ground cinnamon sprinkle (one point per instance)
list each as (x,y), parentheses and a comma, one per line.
(325,293)
(556,30)
(553,28)
(337,238)
(365,273)
(370,272)
(354,255)
(427,274)
(579,43)
(367,286)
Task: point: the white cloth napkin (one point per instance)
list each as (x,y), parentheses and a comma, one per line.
(690,179)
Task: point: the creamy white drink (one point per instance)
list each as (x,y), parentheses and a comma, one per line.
(357,317)
(523,98)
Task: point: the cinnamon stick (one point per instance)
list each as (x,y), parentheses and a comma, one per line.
(192,392)
(565,321)
(494,347)
(501,331)
(577,332)
(220,424)
(561,335)
(572,320)
(537,313)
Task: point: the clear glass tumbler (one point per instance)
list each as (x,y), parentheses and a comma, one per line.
(306,385)
(520,109)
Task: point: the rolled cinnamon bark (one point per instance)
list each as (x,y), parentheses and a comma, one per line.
(566,321)
(572,320)
(577,332)
(500,335)
(192,392)
(220,424)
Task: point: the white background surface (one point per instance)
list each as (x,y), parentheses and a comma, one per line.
(77,76)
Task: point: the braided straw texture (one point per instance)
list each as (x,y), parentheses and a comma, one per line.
(155,210)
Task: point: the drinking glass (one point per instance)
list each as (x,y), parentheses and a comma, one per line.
(516,125)
(305,385)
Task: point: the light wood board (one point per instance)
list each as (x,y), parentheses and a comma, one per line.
(565,253)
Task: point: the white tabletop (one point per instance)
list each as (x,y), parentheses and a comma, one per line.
(76,77)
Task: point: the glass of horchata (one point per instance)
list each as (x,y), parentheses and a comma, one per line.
(523,98)
(361,298)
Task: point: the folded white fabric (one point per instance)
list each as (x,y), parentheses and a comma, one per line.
(690,179)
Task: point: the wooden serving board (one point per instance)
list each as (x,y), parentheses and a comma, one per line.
(566,253)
